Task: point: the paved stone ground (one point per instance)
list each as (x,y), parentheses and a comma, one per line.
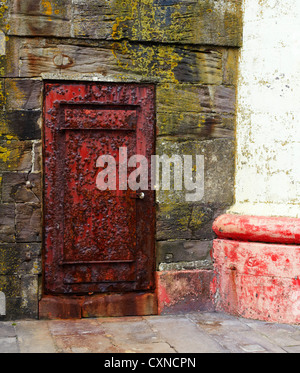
(190,333)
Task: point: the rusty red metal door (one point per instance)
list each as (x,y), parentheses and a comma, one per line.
(96,240)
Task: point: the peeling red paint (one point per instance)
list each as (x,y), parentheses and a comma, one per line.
(257,279)
(184,291)
(256,228)
(96,241)
(163,297)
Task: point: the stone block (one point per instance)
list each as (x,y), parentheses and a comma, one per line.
(223,98)
(40,18)
(207,22)
(31,262)
(15,155)
(2,94)
(11,60)
(7,223)
(10,259)
(195,98)
(173,221)
(230,66)
(15,187)
(122,60)
(20,258)
(200,125)
(2,304)
(189,221)
(10,285)
(28,222)
(37,156)
(168,63)
(53,58)
(184,291)
(29,295)
(218,174)
(257,280)
(3,65)
(181,98)
(93,19)
(13,308)
(23,94)
(201,220)
(184,251)
(199,65)
(24,124)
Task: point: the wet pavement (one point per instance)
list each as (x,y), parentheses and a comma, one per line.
(190,333)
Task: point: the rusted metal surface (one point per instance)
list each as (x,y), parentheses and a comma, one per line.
(116,305)
(98,305)
(96,241)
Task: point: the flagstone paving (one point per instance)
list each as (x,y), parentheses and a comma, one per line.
(189,333)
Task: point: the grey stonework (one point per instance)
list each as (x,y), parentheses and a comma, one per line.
(188,49)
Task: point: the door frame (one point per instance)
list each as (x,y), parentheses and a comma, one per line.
(100,304)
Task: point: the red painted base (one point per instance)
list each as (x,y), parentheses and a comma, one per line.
(184,291)
(258,280)
(176,292)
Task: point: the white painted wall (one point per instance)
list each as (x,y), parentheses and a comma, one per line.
(268,111)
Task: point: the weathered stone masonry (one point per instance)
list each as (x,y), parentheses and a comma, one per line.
(189,49)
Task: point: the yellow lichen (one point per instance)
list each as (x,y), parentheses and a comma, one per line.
(14,94)
(139,20)
(48,7)
(4,154)
(148,61)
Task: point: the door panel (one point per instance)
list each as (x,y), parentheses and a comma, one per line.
(96,241)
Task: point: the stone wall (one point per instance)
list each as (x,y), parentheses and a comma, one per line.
(188,48)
